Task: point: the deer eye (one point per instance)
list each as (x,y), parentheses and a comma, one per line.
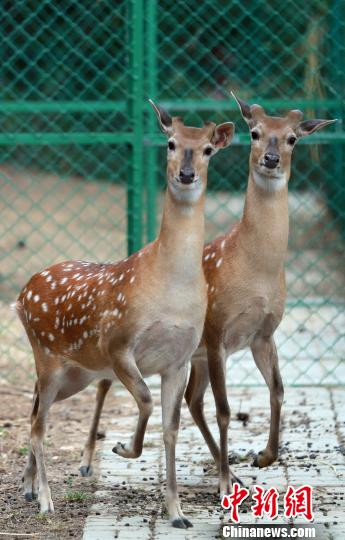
(171,145)
(208,151)
(255,135)
(291,140)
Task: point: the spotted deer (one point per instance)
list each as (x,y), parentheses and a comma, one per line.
(244,271)
(141,316)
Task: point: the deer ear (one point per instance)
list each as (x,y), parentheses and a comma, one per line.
(164,118)
(223,134)
(309,126)
(245,110)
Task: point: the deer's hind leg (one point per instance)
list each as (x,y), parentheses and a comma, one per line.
(30,487)
(89,448)
(55,382)
(47,389)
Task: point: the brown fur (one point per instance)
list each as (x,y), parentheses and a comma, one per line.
(128,320)
(246,284)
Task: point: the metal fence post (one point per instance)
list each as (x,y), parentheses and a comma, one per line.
(135,181)
(338,35)
(151,169)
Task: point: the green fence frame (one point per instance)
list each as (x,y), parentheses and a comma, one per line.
(142,136)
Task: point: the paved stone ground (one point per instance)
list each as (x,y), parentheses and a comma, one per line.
(312,452)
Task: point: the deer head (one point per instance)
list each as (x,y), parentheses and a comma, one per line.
(273,139)
(189,153)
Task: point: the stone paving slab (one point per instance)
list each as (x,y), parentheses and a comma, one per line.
(312,452)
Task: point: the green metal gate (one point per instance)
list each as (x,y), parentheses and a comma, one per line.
(83,163)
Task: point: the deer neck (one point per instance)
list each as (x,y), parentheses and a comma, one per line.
(181,238)
(264,228)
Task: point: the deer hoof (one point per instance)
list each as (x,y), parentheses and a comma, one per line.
(263,459)
(86,470)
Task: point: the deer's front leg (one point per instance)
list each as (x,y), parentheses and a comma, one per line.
(196,388)
(128,373)
(173,387)
(266,358)
(216,364)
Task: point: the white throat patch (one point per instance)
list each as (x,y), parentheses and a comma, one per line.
(271,185)
(187,195)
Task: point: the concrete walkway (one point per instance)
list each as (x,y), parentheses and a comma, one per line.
(312,452)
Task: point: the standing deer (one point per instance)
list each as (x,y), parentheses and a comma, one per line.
(141,316)
(244,271)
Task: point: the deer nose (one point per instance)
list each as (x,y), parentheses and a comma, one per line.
(187,176)
(271,160)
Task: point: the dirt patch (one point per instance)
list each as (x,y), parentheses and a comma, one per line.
(72,495)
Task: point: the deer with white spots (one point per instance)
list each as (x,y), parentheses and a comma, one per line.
(244,271)
(141,316)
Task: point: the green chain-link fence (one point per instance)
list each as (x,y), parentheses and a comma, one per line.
(83,163)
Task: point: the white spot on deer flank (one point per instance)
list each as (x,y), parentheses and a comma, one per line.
(219,262)
(28,296)
(132,279)
(206,258)
(51,337)
(222,244)
(45,306)
(63,280)
(36,298)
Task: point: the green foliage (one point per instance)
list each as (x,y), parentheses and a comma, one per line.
(23,450)
(76,496)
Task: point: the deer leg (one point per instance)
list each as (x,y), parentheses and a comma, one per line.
(30,472)
(128,373)
(89,448)
(173,387)
(265,355)
(216,363)
(197,384)
(46,394)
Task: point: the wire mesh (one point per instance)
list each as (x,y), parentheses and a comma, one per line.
(83,164)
